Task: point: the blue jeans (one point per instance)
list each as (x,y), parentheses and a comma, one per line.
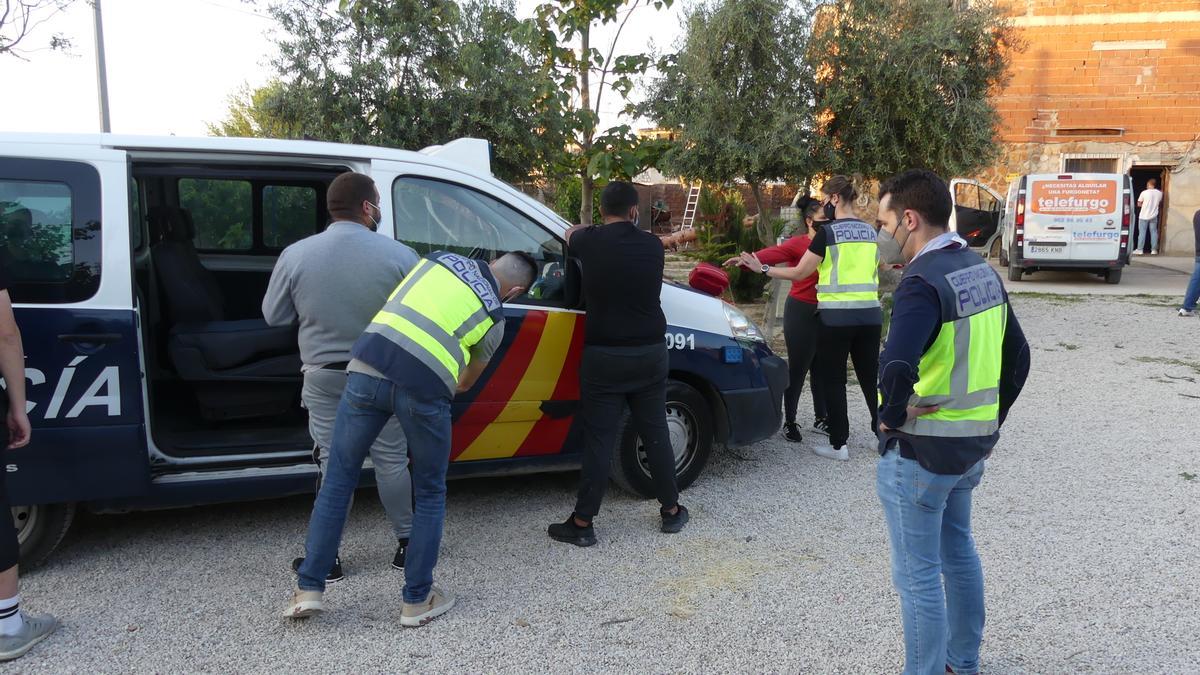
(1193,290)
(366,405)
(1144,224)
(929,524)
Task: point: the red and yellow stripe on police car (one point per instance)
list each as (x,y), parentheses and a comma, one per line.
(538,366)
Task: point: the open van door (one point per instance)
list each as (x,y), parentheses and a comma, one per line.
(976,214)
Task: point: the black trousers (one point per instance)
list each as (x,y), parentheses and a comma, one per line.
(801,332)
(861,344)
(611,378)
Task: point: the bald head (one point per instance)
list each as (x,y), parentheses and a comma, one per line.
(515,272)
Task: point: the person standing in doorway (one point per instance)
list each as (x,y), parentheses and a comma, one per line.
(331,284)
(1148,202)
(625,361)
(19,631)
(1193,289)
(954,363)
(845,256)
(801,328)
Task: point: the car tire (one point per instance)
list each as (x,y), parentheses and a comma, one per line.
(1015,273)
(689,419)
(40,529)
(1113,276)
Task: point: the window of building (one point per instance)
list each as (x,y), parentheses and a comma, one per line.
(49,230)
(433,215)
(1090,165)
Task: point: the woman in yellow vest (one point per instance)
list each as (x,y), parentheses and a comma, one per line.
(844,255)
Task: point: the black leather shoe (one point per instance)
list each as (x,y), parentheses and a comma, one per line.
(672,523)
(570,533)
(401,553)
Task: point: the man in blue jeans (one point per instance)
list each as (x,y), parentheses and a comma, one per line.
(954,362)
(433,338)
(1193,290)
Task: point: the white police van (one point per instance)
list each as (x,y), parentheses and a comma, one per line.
(138,267)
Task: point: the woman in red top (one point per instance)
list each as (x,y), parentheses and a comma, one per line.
(800,324)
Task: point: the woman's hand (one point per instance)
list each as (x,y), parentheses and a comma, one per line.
(751,262)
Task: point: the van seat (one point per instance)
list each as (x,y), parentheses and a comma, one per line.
(238,369)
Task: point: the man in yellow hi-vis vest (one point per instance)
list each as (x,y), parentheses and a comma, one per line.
(433,338)
(954,362)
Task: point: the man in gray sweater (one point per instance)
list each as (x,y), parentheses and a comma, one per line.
(332,284)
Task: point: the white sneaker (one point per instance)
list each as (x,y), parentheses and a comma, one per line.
(1138,252)
(304,604)
(1153,252)
(840,453)
(1186,312)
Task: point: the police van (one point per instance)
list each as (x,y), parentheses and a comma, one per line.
(1068,222)
(138,267)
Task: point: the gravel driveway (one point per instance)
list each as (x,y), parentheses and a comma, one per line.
(1086,521)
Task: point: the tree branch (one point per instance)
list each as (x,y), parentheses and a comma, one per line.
(611,50)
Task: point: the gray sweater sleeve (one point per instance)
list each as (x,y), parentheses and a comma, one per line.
(277,306)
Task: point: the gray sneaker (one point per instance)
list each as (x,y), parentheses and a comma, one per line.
(415,615)
(37,628)
(1186,312)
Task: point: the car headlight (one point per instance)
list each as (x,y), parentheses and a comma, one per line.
(741,326)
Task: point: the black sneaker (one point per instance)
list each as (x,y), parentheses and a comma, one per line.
(401,553)
(335,573)
(674,523)
(821,426)
(791,431)
(571,533)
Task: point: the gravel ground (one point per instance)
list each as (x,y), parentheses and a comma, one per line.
(1086,521)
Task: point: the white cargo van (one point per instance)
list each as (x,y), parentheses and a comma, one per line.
(1067,222)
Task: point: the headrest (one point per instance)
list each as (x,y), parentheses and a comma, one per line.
(170,223)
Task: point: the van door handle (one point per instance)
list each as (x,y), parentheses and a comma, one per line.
(90,338)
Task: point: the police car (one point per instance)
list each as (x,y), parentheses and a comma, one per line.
(138,268)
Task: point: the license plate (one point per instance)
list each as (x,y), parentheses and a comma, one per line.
(1044,249)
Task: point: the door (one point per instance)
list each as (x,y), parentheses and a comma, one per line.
(1141,177)
(976,215)
(65,247)
(525,400)
(1075,218)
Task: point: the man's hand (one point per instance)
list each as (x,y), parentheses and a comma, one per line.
(913,413)
(19,429)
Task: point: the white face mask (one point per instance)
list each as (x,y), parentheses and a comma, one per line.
(375,223)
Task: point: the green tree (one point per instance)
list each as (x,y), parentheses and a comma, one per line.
(740,93)
(564,33)
(406,74)
(906,83)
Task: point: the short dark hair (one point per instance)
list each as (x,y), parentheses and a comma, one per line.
(841,186)
(347,192)
(922,191)
(1151,181)
(813,208)
(617,198)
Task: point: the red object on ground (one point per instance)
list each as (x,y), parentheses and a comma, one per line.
(708,279)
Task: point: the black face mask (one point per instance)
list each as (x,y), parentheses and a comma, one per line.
(829,210)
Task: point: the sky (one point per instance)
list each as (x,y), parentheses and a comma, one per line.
(173,64)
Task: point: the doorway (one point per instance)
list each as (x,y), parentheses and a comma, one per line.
(1141,175)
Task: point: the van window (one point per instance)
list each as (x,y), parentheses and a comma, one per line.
(289,214)
(221,211)
(987,202)
(50,230)
(432,215)
(966,195)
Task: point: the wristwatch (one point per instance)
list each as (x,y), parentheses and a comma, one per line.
(764,268)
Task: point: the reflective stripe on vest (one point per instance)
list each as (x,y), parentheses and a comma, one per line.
(848,275)
(436,314)
(960,372)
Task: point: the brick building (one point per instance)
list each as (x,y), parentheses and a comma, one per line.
(1108,85)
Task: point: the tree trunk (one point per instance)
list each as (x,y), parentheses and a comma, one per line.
(765,233)
(585,103)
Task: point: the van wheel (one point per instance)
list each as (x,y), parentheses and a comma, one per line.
(1113,276)
(689,420)
(1015,273)
(40,529)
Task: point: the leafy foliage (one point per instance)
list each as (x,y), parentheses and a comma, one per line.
(911,90)
(407,74)
(568,199)
(722,234)
(739,91)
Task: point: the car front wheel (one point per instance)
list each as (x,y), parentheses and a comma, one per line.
(40,529)
(689,423)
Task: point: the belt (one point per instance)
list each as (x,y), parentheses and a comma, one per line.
(340,365)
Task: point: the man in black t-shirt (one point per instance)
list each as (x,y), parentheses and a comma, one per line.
(624,359)
(19,631)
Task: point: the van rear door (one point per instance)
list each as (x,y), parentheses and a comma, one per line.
(1074,217)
